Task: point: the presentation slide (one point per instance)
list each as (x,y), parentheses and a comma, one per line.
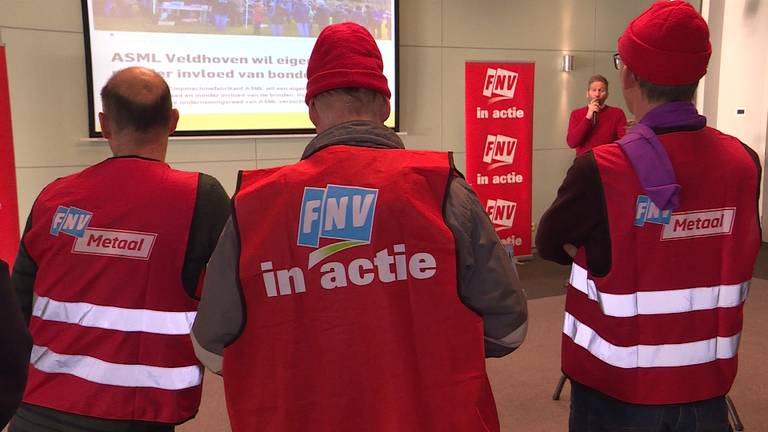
(233,66)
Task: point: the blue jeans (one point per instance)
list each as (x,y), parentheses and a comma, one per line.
(592,411)
(33,418)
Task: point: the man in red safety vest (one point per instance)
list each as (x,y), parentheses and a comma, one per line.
(662,230)
(108,272)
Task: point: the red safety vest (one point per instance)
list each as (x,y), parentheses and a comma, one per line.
(663,326)
(111,318)
(353,321)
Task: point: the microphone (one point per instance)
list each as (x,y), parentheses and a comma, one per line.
(594,118)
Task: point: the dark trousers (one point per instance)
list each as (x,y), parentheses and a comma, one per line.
(32,418)
(592,411)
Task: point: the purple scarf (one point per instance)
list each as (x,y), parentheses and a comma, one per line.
(649,157)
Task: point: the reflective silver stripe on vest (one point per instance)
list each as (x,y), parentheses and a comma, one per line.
(659,302)
(114,318)
(125,375)
(646,356)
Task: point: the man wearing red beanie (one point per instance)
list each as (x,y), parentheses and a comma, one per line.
(362,288)
(662,230)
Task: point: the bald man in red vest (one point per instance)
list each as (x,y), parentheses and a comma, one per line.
(108,273)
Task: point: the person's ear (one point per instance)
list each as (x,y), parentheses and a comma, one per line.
(174,121)
(106,130)
(314,116)
(384,110)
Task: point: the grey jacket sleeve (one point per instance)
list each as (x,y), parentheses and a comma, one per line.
(488,281)
(220,313)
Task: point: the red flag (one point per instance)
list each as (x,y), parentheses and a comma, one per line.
(499,144)
(9,207)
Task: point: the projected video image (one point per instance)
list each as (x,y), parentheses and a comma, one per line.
(233,66)
(302,18)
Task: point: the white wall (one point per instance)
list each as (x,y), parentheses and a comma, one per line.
(738,73)
(48,91)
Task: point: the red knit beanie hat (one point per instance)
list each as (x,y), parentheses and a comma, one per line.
(668,44)
(345,55)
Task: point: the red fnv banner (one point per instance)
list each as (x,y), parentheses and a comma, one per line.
(499,142)
(9,207)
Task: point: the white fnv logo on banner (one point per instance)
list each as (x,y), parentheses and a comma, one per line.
(501,83)
(501,212)
(499,148)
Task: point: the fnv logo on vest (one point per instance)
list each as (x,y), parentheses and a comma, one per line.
(646,211)
(501,212)
(100,241)
(70,220)
(343,213)
(499,150)
(501,83)
(336,212)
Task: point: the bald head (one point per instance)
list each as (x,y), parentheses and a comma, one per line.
(137,100)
